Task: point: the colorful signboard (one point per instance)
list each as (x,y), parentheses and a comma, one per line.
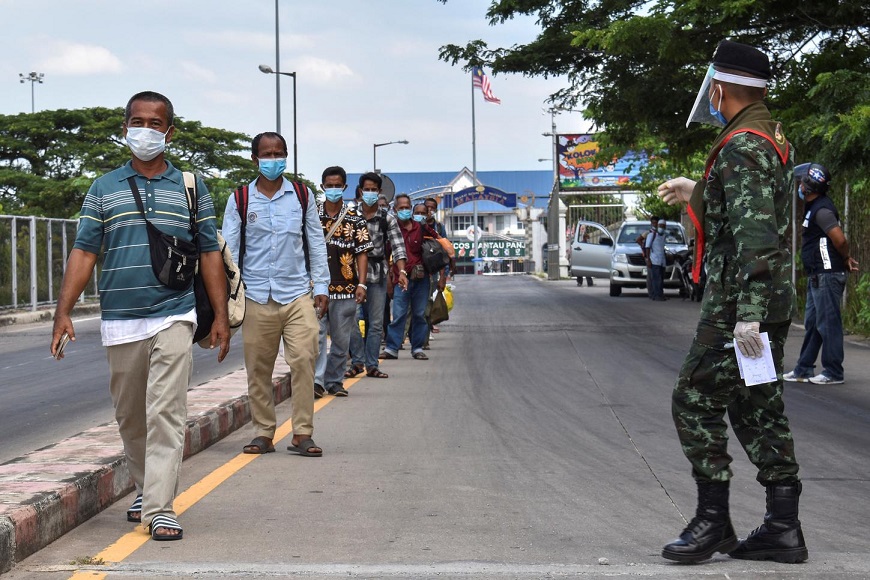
(480,193)
(578,171)
(497,249)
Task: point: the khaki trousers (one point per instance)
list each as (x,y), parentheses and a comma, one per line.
(265,326)
(148,381)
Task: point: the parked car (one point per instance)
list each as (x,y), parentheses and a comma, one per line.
(595,252)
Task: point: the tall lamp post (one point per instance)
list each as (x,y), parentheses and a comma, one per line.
(34,78)
(264,68)
(375,152)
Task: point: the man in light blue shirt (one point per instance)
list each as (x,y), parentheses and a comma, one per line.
(655,246)
(283,262)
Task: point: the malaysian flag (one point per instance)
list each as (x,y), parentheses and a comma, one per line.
(479,79)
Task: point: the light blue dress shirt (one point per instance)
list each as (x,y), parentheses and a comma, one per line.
(274,264)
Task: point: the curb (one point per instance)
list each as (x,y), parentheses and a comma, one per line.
(48,492)
(29,316)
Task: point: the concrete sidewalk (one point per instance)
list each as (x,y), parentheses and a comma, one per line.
(47,493)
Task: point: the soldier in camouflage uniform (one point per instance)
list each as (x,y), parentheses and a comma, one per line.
(741,212)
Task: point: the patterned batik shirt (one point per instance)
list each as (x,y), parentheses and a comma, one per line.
(349,240)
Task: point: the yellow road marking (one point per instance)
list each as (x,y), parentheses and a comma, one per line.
(132,541)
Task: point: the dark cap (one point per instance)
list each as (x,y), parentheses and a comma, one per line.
(742,57)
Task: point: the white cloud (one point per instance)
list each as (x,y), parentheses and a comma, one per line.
(197,72)
(74,59)
(318,71)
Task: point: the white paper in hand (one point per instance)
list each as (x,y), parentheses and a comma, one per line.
(757,371)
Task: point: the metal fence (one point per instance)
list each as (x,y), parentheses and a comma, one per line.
(33,254)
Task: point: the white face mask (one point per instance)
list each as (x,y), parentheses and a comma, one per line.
(145,143)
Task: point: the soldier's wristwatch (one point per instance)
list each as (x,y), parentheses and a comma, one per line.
(403,272)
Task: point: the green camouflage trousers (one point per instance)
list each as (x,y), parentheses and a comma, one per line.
(709,385)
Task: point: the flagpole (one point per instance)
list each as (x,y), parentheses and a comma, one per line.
(474,261)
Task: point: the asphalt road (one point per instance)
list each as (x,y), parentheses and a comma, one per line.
(43,401)
(536,443)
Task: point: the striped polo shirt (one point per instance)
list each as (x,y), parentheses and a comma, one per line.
(111,221)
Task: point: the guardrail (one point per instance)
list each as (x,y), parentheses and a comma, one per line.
(33,255)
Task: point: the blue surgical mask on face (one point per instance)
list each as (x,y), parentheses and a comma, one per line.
(801,192)
(419,218)
(272,169)
(370,198)
(715,112)
(334,194)
(661,231)
(404,214)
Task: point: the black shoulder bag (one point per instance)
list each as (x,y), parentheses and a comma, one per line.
(173,260)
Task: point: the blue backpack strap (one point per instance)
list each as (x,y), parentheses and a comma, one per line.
(302,195)
(241,196)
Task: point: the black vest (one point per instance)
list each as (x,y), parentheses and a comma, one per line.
(817,252)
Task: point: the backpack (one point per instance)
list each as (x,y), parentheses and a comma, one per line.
(241,196)
(235,287)
(435,257)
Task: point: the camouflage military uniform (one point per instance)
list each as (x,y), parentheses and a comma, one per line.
(747,200)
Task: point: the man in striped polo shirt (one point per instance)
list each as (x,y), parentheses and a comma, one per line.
(146,327)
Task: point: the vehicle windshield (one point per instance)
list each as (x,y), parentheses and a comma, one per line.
(630,232)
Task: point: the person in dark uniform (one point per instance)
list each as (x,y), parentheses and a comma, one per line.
(825,255)
(741,211)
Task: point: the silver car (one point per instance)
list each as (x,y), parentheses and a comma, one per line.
(595,252)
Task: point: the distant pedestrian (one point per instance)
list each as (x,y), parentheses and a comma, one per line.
(825,255)
(147,327)
(283,264)
(347,244)
(742,209)
(655,260)
(411,300)
(584,239)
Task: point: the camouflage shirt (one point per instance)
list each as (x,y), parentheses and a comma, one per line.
(747,199)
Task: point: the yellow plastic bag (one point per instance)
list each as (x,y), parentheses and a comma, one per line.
(448,297)
(362,328)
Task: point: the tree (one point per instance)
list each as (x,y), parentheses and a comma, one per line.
(49,159)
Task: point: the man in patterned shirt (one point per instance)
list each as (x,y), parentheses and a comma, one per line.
(383,229)
(347,244)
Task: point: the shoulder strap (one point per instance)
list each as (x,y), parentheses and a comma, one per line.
(192,201)
(241,197)
(302,195)
(337,223)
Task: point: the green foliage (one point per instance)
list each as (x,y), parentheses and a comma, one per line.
(862,316)
(49,159)
(635,68)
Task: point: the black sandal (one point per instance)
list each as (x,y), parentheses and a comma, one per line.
(354,371)
(134,514)
(377,373)
(259,446)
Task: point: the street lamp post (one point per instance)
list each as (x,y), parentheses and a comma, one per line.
(264,68)
(34,78)
(375,152)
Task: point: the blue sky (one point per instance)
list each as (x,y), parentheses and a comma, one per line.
(368,72)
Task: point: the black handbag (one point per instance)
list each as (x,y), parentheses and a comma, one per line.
(435,257)
(173,260)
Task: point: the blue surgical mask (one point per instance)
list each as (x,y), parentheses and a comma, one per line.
(661,231)
(370,198)
(404,214)
(419,218)
(716,112)
(801,192)
(334,194)
(272,169)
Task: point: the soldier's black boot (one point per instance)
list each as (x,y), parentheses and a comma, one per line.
(709,531)
(780,537)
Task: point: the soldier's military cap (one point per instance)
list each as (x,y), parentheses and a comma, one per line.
(742,57)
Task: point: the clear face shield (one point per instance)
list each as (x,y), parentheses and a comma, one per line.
(701,109)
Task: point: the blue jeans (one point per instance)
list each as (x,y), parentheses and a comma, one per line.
(412,300)
(365,351)
(824,327)
(337,322)
(656,282)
